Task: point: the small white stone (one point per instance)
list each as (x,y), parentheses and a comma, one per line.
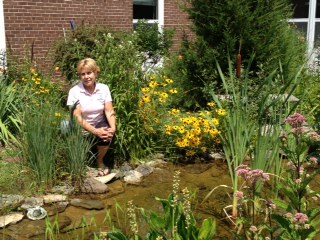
(51,198)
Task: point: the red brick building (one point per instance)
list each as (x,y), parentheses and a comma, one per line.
(38,23)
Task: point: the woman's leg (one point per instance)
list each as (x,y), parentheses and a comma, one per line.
(102,151)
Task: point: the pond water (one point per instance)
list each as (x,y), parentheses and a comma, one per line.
(199,178)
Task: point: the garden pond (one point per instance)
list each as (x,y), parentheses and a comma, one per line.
(199,177)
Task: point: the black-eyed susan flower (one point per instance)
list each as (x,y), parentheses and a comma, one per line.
(222,112)
(211,104)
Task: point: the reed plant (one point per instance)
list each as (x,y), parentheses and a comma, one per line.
(76,152)
(39,141)
(244,127)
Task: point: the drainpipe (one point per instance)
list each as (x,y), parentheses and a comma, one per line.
(2,36)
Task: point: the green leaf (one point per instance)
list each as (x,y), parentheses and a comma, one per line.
(208,229)
(117,235)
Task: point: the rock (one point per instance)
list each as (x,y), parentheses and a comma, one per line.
(31,202)
(156,163)
(29,229)
(115,188)
(11,218)
(88,204)
(92,185)
(52,198)
(56,208)
(67,190)
(144,170)
(107,178)
(10,201)
(217,156)
(125,167)
(133,177)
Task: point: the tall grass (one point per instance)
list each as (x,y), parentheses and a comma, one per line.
(76,148)
(244,128)
(39,141)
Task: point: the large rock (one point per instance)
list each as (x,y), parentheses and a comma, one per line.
(28,228)
(10,201)
(91,185)
(133,177)
(144,170)
(31,202)
(11,218)
(88,204)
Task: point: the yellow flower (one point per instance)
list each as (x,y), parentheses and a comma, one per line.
(146,99)
(211,104)
(173,91)
(37,82)
(222,112)
(182,130)
(169,80)
(164,95)
(162,99)
(215,121)
(174,111)
(145,90)
(153,84)
(56,69)
(57,114)
(204,149)
(190,153)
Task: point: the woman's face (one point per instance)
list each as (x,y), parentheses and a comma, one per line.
(88,78)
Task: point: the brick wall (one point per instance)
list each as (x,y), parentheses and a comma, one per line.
(176,18)
(39,23)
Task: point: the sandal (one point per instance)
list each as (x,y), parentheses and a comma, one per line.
(103,171)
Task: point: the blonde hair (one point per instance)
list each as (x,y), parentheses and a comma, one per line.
(90,64)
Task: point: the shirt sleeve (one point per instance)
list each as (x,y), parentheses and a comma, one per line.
(72,98)
(107,97)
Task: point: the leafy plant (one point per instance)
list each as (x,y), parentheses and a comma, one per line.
(10,120)
(175,222)
(299,219)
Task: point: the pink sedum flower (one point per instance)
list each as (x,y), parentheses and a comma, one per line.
(300,218)
(239,195)
(296,120)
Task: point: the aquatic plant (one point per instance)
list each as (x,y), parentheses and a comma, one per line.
(176,221)
(300,210)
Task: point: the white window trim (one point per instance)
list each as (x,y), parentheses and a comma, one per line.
(2,29)
(160,14)
(311,27)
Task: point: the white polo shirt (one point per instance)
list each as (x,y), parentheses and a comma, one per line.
(92,105)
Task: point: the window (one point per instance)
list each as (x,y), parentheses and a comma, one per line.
(151,11)
(307,20)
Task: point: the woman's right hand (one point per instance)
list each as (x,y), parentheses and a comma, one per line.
(101,133)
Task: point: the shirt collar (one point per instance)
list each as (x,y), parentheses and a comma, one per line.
(82,89)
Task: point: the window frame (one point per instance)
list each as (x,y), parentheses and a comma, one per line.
(160,14)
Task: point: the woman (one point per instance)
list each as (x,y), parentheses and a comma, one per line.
(94,113)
